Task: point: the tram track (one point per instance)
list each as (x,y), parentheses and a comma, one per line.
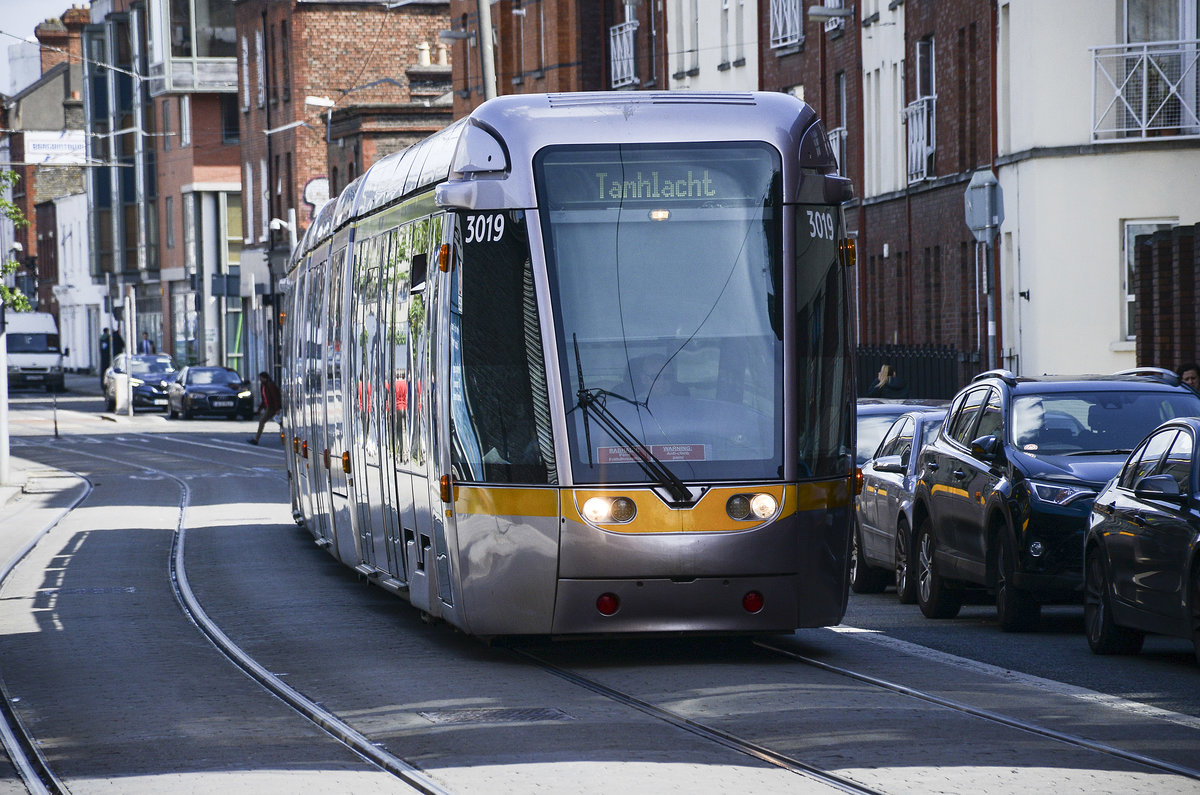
(36,772)
(987,715)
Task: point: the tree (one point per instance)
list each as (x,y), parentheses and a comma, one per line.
(11,297)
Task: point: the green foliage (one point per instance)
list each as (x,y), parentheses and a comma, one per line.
(11,296)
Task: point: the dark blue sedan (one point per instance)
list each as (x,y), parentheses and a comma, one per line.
(209,390)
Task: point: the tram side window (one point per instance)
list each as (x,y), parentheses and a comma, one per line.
(396,331)
(498,369)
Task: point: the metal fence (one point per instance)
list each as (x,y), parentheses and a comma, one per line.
(931,372)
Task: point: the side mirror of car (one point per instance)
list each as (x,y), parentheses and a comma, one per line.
(987,448)
(1158,487)
(890,463)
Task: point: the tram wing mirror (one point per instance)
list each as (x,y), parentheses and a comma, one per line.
(838,189)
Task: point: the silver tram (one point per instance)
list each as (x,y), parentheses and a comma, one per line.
(579,364)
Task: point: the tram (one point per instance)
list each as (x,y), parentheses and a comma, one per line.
(579,364)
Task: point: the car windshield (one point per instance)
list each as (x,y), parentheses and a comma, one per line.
(32,343)
(158,366)
(200,377)
(871,429)
(1080,423)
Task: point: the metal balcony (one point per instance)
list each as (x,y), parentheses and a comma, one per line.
(1145,90)
(787,28)
(919,119)
(621,42)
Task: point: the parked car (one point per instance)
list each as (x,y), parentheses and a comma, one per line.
(209,390)
(875,416)
(34,358)
(885,506)
(149,376)
(1142,553)
(1007,483)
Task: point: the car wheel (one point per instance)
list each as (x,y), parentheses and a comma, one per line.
(863,578)
(906,581)
(1016,609)
(935,598)
(1104,636)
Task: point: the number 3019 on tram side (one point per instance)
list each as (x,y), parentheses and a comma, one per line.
(580,364)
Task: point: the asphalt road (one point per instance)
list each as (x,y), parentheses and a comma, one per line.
(125,695)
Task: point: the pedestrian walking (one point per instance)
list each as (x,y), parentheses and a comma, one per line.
(105,353)
(145,346)
(269,406)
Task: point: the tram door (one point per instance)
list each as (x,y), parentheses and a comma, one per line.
(314,400)
(297,412)
(397,307)
(364,344)
(335,441)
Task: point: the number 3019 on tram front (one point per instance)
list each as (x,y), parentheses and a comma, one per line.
(579,364)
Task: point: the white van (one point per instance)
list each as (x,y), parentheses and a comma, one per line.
(34,358)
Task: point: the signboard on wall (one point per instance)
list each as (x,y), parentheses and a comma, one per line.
(55,147)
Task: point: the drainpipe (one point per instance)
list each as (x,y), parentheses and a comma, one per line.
(994,264)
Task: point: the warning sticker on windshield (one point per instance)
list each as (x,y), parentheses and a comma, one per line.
(663,452)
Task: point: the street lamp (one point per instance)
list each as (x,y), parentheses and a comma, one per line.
(826,13)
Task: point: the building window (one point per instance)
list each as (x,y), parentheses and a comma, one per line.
(185,120)
(166,125)
(170,212)
(248,193)
(265,205)
(285,57)
(202,29)
(260,69)
(189,232)
(245,74)
(920,117)
(786,27)
(229,119)
(1134,229)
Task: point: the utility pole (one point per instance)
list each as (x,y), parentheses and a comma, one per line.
(487,52)
(4,466)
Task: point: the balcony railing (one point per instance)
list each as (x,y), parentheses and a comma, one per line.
(1145,90)
(786,26)
(837,142)
(919,118)
(621,44)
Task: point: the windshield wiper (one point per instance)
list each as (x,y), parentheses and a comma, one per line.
(1101,452)
(592,401)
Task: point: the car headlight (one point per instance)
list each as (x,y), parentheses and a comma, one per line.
(136,382)
(245,394)
(1059,493)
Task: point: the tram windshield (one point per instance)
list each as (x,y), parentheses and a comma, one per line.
(665,271)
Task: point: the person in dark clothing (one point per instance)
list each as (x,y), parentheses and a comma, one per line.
(118,343)
(270,403)
(1189,375)
(105,353)
(145,346)
(889,385)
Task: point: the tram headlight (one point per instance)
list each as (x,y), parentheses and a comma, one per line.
(742,507)
(609,510)
(660,215)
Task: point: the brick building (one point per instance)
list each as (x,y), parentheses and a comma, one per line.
(350,71)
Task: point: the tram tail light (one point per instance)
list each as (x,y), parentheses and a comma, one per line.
(447,489)
(444,258)
(296,445)
(753,602)
(304,449)
(346,462)
(608,604)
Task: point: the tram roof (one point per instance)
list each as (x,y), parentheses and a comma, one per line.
(523,124)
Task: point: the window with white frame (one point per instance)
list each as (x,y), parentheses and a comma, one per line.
(265,231)
(185,120)
(248,192)
(245,74)
(920,117)
(1133,228)
(260,68)
(787,29)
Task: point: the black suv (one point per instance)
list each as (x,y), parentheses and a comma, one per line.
(1007,482)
